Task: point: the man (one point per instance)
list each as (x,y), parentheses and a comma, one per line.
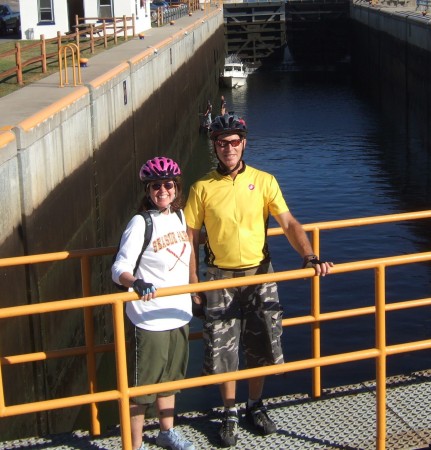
(223,106)
(233,202)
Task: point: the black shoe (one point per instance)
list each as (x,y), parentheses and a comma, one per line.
(258,418)
(229,429)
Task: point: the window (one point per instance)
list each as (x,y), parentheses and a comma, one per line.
(105,8)
(46,11)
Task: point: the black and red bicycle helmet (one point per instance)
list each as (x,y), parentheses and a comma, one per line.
(227,124)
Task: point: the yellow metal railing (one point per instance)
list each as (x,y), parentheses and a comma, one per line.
(123,393)
(74,52)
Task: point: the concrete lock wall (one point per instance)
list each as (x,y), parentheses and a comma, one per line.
(69,181)
(16,335)
(392,60)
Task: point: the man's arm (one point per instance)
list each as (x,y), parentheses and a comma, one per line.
(299,241)
(194,237)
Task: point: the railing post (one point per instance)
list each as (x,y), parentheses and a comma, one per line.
(381,359)
(125,27)
(134,25)
(315,312)
(115,31)
(43,51)
(122,382)
(105,37)
(2,402)
(91,38)
(77,36)
(58,40)
(89,343)
(18,63)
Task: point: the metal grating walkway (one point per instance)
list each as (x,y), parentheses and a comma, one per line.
(344,418)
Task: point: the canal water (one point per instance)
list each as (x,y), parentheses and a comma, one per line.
(335,157)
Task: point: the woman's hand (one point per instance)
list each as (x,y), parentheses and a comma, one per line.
(146,291)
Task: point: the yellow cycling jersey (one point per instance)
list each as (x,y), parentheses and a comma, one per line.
(235,214)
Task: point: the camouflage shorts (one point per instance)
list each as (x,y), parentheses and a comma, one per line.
(247,315)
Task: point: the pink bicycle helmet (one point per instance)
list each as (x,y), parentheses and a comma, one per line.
(159,168)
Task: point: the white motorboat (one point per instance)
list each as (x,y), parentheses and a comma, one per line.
(235,73)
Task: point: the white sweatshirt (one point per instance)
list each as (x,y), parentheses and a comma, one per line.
(164,263)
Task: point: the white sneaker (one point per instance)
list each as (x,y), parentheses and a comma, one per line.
(173,440)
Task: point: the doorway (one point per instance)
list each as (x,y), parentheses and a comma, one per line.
(75,8)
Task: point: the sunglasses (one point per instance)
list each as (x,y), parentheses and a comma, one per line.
(167,185)
(223,143)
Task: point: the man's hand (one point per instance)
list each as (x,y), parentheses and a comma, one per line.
(198,305)
(321,268)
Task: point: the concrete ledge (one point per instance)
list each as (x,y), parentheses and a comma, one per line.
(6,139)
(113,73)
(46,113)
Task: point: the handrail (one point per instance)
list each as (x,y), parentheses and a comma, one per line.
(275,231)
(117,300)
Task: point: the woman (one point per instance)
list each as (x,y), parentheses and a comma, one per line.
(161,324)
(208,113)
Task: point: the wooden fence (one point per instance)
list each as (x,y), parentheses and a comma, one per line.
(89,34)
